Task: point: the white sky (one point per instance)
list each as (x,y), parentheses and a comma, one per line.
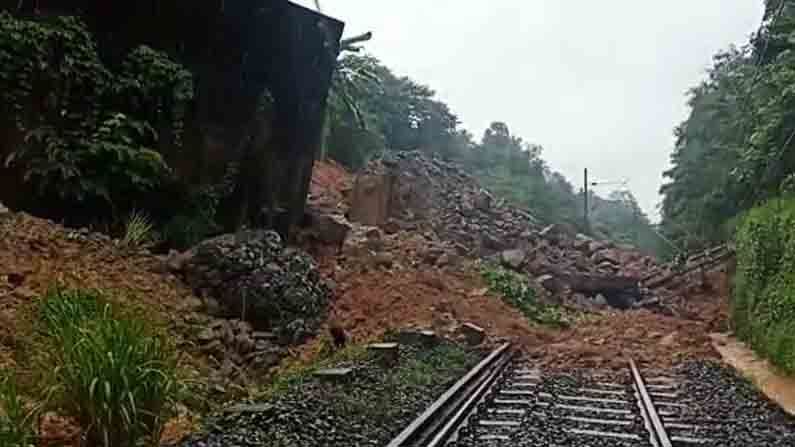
(599,84)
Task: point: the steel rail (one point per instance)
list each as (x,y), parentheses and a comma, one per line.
(660,436)
(436,423)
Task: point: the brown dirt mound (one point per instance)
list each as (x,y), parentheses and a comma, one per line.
(378,301)
(609,340)
(330,184)
(36,254)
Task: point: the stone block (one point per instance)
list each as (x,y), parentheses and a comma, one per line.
(387,354)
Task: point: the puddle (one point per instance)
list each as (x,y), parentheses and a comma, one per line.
(776,386)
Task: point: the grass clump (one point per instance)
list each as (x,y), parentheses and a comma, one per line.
(16,419)
(139,231)
(116,376)
(515,290)
(62,309)
(763,301)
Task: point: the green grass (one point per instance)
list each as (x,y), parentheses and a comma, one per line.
(138,231)
(117,376)
(515,290)
(61,309)
(16,420)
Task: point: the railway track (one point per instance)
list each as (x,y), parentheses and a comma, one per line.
(504,399)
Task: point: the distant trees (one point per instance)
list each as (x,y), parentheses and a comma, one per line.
(372,110)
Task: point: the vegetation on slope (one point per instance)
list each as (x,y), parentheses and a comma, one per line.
(515,290)
(763,305)
(116,376)
(736,147)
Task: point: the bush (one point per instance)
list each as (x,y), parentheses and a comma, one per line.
(16,421)
(94,139)
(763,303)
(116,376)
(515,290)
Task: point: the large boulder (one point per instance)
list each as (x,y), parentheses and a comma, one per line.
(328,226)
(370,204)
(254,277)
(513,258)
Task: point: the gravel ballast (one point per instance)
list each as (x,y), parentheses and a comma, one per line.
(712,403)
(368,409)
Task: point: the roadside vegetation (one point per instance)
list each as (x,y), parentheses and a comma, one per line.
(733,175)
(515,290)
(763,305)
(116,376)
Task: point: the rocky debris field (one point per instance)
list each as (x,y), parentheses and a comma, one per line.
(412,268)
(410,192)
(430,193)
(368,407)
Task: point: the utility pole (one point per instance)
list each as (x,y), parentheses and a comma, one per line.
(585,201)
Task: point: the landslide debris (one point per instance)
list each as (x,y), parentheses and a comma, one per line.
(257,279)
(414,193)
(418,264)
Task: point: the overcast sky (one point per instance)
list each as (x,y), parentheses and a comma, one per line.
(599,84)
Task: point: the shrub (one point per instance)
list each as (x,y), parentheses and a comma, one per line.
(515,290)
(93,140)
(116,376)
(763,303)
(16,421)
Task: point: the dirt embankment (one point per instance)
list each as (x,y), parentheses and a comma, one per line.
(37,254)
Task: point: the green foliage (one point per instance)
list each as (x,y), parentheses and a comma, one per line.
(736,148)
(763,305)
(515,290)
(138,230)
(62,308)
(16,419)
(198,218)
(89,134)
(116,376)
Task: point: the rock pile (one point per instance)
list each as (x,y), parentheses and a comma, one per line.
(237,343)
(421,191)
(255,278)
(413,192)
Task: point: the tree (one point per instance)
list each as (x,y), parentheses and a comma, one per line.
(736,148)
